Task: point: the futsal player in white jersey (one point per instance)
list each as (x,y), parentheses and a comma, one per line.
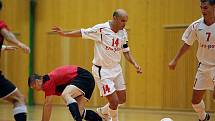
(202,30)
(110,41)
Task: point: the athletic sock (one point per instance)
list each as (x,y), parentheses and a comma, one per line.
(200,109)
(20,113)
(113,114)
(104,109)
(90,115)
(74,110)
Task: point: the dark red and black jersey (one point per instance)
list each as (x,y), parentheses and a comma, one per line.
(60,76)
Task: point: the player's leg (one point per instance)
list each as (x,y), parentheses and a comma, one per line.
(102,111)
(121,88)
(80,90)
(81,100)
(10,93)
(88,115)
(107,89)
(19,106)
(198,103)
(121,96)
(121,92)
(203,82)
(69,94)
(197,99)
(113,105)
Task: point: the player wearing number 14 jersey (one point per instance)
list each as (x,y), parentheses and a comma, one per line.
(110,42)
(202,30)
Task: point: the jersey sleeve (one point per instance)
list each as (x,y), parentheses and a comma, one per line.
(189,35)
(92,33)
(3,25)
(125,47)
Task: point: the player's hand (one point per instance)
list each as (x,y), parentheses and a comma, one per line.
(138,68)
(172,64)
(25,48)
(10,48)
(56,29)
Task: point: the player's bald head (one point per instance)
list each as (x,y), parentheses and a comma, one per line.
(120,13)
(119,20)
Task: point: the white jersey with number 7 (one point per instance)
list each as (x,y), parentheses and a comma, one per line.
(205,35)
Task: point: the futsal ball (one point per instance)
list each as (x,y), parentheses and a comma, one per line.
(166,119)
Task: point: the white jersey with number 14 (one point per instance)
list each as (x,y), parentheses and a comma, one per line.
(108,44)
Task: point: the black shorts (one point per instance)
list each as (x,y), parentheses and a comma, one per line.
(6,87)
(84,81)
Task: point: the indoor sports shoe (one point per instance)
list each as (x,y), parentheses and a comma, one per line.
(105,117)
(207,117)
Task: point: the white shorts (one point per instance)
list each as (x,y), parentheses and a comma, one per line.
(108,80)
(205,78)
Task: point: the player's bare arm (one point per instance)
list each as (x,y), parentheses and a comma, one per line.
(130,58)
(181,52)
(11,38)
(74,33)
(47,108)
(8,47)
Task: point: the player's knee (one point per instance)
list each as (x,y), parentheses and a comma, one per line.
(114,103)
(19,100)
(122,100)
(197,96)
(64,96)
(67,98)
(196,100)
(21,97)
(68,91)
